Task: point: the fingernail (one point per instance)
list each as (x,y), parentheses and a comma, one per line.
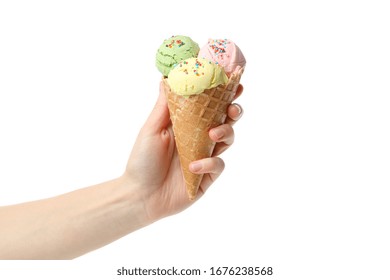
(239,109)
(195,166)
(218,133)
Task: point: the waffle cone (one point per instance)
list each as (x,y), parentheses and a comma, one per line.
(192,117)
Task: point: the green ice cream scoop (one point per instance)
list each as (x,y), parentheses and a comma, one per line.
(174,50)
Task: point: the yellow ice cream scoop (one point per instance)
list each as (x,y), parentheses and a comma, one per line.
(194,75)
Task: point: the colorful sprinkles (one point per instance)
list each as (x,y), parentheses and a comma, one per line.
(174,42)
(197,65)
(219,46)
(197,70)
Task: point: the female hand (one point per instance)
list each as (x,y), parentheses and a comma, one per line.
(154,168)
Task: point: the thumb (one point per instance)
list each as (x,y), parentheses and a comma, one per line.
(159,117)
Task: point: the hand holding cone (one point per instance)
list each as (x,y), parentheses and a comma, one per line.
(198,93)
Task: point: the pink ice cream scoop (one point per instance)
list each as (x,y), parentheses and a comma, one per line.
(225,53)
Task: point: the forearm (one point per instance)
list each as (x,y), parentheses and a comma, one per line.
(72,224)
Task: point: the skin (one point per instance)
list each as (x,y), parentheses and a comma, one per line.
(151,188)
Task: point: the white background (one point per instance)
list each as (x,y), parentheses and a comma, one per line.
(305,188)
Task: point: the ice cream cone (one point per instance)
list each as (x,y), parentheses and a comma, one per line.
(192,117)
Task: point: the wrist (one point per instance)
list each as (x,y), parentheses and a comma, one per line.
(131,200)
(145,196)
